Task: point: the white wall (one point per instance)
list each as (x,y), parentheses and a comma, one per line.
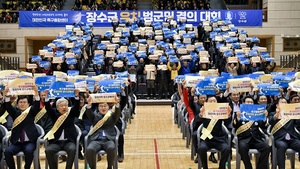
(283,18)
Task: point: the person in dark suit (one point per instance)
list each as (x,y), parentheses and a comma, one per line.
(24,133)
(9,121)
(103,138)
(252,138)
(218,141)
(286,136)
(82,122)
(65,136)
(45,121)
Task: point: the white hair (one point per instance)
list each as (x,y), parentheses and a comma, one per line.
(61,100)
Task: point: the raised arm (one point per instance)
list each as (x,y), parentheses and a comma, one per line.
(89,113)
(75,108)
(50,110)
(10,109)
(36,104)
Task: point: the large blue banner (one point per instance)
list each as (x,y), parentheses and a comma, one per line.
(104,18)
(252,112)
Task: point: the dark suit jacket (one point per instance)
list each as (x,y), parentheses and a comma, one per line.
(228,123)
(287,128)
(108,126)
(9,120)
(45,122)
(68,125)
(253,132)
(27,124)
(218,134)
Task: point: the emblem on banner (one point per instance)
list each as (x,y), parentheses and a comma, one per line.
(229,15)
(242,14)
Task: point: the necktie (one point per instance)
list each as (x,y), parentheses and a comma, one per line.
(22,138)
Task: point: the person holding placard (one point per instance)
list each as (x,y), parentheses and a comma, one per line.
(174,69)
(102,134)
(284,133)
(82,122)
(62,135)
(42,118)
(150,79)
(162,80)
(109,69)
(24,132)
(250,136)
(193,105)
(213,135)
(232,68)
(5,119)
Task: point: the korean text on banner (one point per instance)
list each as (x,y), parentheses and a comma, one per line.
(252,112)
(104,18)
(290,111)
(240,85)
(103,97)
(21,86)
(216,110)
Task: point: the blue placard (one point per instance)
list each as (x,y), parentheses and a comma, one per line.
(290,73)
(245,61)
(132,62)
(205,87)
(221,83)
(179,78)
(62,89)
(44,82)
(107,86)
(71,61)
(36,58)
(90,84)
(73,72)
(122,74)
(174,59)
(103,18)
(60,53)
(252,112)
(282,81)
(45,64)
(268,89)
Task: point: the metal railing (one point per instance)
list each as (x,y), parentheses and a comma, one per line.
(9,62)
(290,61)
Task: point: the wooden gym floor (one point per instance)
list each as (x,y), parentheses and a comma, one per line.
(153,141)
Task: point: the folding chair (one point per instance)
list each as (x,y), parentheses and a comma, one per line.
(63,152)
(255,152)
(20,155)
(214,150)
(101,152)
(4,135)
(289,152)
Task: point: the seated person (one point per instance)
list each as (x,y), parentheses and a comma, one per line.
(218,141)
(103,133)
(284,133)
(250,136)
(62,135)
(24,132)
